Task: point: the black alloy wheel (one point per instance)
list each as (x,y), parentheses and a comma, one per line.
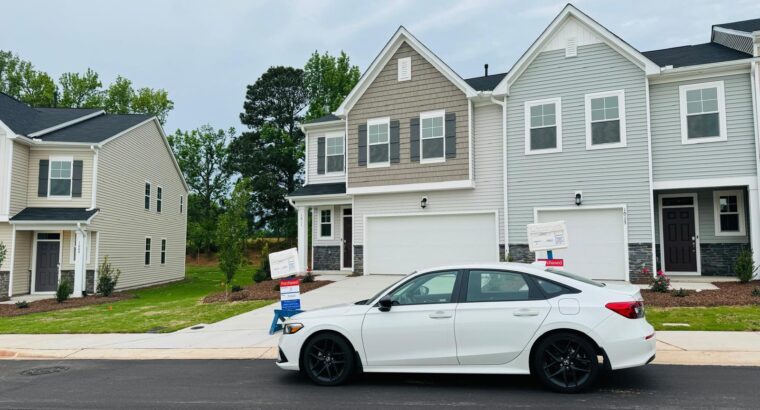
(328,360)
(566,363)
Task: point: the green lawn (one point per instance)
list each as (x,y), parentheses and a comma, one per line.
(165,308)
(746,318)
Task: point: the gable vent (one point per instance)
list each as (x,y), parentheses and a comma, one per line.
(571,48)
(405,69)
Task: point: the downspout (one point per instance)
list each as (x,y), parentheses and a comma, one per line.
(755,84)
(651,186)
(503,105)
(94,202)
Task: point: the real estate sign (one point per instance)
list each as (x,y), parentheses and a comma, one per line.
(284,263)
(290,294)
(547,236)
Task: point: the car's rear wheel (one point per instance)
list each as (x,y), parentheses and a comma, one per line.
(328,359)
(566,362)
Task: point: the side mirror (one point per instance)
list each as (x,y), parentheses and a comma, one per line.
(385,303)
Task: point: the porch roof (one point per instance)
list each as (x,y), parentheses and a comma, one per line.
(320,189)
(57,215)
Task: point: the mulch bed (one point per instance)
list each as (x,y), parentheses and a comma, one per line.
(264,290)
(728,294)
(47,305)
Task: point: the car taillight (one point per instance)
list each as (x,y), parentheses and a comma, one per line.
(631,310)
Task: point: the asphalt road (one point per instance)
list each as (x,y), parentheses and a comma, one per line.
(260,384)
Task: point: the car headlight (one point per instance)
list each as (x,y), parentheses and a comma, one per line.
(291,328)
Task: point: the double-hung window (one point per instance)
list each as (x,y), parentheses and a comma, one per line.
(729,213)
(543,126)
(334,157)
(325,224)
(60,177)
(147,195)
(147,251)
(159,196)
(703,113)
(605,120)
(378,142)
(432,140)
(163,251)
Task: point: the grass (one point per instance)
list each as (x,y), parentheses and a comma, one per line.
(163,308)
(741,318)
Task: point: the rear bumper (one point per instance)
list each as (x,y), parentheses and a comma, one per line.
(631,345)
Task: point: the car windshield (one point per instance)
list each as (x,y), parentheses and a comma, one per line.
(377,295)
(573,276)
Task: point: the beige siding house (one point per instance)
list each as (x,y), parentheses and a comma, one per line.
(78,186)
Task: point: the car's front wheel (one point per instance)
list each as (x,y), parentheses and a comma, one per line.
(328,359)
(566,362)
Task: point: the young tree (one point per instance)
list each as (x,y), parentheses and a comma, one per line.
(232,230)
(154,102)
(118,96)
(19,79)
(81,90)
(328,80)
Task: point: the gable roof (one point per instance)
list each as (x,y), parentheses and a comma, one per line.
(694,55)
(24,120)
(324,118)
(606,36)
(747,26)
(95,130)
(402,35)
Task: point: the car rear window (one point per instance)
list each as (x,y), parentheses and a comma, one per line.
(553,289)
(573,276)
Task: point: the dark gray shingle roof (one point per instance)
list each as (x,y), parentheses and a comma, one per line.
(324,118)
(693,55)
(747,26)
(95,129)
(55,214)
(320,189)
(24,120)
(485,83)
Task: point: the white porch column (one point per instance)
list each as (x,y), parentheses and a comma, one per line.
(303,237)
(754,225)
(80,262)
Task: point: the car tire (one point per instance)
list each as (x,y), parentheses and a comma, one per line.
(328,360)
(566,363)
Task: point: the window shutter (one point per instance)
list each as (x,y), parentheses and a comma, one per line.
(362,145)
(76,180)
(321,155)
(451,135)
(414,139)
(395,153)
(42,185)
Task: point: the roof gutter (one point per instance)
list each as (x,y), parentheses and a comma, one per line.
(710,66)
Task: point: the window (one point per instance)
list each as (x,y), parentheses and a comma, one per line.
(702,113)
(553,289)
(729,213)
(430,288)
(159,194)
(163,251)
(334,154)
(60,177)
(405,69)
(181,203)
(495,286)
(432,136)
(147,195)
(378,142)
(325,224)
(147,251)
(543,126)
(605,120)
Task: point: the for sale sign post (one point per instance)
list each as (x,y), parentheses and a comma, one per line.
(290,294)
(547,236)
(285,263)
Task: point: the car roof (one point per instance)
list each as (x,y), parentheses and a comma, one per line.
(522,267)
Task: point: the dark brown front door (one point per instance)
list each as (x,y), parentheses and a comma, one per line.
(348,255)
(680,239)
(46,267)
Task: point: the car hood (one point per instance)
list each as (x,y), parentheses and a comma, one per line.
(625,289)
(334,310)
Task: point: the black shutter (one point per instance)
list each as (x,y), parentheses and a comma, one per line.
(42,184)
(320,155)
(414,139)
(395,153)
(76,180)
(451,135)
(362,145)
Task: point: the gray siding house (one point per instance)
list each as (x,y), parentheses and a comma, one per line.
(650,158)
(79,185)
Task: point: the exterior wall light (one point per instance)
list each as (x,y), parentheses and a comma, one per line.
(578,198)
(423,202)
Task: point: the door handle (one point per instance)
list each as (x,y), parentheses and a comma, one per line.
(525,312)
(440,315)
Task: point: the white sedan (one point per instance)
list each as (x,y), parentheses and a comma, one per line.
(506,318)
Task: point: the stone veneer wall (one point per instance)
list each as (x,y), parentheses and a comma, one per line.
(521,253)
(358,259)
(640,258)
(326,258)
(5,278)
(717,258)
(89,279)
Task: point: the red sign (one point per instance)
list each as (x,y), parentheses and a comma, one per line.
(557,263)
(289,282)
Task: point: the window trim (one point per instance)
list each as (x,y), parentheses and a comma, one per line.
(428,115)
(159,198)
(339,134)
(377,121)
(558,123)
(620,94)
(149,195)
(721,112)
(57,158)
(739,209)
(148,250)
(332,223)
(163,251)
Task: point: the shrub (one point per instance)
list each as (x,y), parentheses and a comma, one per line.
(680,293)
(745,267)
(22,304)
(308,278)
(2,253)
(264,266)
(276,287)
(260,276)
(660,283)
(236,288)
(756,292)
(63,292)
(107,278)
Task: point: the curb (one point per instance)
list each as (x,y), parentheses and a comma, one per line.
(268,353)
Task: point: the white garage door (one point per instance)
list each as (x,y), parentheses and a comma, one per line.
(597,241)
(400,245)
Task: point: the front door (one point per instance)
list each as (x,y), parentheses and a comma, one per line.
(348,255)
(679,234)
(46,267)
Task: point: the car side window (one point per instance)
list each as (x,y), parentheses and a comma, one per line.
(552,289)
(431,288)
(499,286)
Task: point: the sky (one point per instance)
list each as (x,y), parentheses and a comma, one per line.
(205,53)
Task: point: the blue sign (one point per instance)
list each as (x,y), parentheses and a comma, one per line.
(294,304)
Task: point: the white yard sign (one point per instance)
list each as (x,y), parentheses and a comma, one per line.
(284,263)
(547,236)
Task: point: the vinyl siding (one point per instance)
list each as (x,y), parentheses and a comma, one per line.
(67,247)
(22,263)
(605,176)
(19,178)
(4,178)
(486,196)
(672,160)
(314,177)
(6,238)
(337,218)
(428,90)
(35,155)
(124,165)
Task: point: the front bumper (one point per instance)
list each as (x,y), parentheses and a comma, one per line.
(290,351)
